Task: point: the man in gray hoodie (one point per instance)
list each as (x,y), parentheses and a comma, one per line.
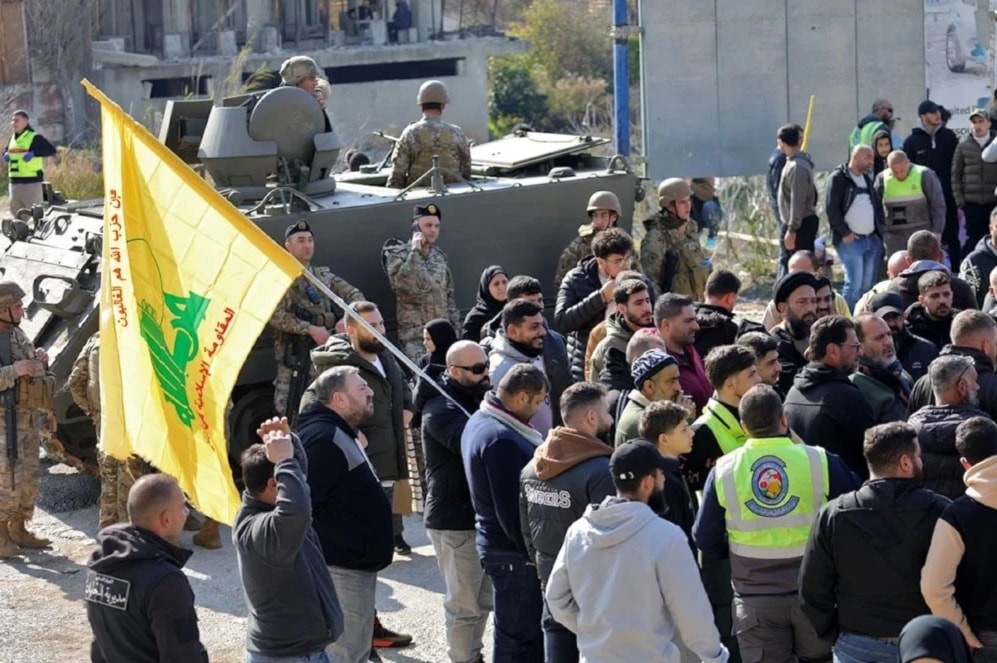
(625,580)
(797,197)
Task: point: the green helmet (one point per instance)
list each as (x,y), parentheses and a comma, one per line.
(672,189)
(10,293)
(605,200)
(432,92)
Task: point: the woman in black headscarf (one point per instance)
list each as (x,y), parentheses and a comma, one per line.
(491,299)
(437,337)
(929,638)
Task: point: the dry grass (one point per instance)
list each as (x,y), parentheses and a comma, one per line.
(75,171)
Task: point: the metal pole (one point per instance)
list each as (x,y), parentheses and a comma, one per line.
(621,78)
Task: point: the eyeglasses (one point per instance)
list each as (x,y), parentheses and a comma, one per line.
(477,369)
(854,346)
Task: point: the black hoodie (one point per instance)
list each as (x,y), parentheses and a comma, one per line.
(921,324)
(139,602)
(922,395)
(935,426)
(826,410)
(905,285)
(718,326)
(976,267)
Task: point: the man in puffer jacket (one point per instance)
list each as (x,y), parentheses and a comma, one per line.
(974,180)
(957,394)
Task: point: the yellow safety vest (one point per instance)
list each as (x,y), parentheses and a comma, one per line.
(18,168)
(897,195)
(771,490)
(724,426)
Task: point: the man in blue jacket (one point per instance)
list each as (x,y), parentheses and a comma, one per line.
(350,511)
(496,444)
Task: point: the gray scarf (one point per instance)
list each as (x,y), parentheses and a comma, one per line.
(531,434)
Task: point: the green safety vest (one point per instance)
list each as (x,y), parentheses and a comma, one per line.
(724,426)
(17,168)
(771,490)
(897,195)
(866,134)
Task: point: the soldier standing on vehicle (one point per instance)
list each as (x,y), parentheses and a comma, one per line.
(24,163)
(303,320)
(26,393)
(670,254)
(604,211)
(429,137)
(420,278)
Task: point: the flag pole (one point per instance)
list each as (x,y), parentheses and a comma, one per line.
(806,127)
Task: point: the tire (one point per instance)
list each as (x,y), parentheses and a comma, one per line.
(955,59)
(250,409)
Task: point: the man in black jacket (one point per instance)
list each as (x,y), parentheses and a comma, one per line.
(293,608)
(931,317)
(978,265)
(824,408)
(449,515)
(974,335)
(860,579)
(587,291)
(139,602)
(718,323)
(569,471)
(954,382)
(913,352)
(350,512)
(924,254)
(795,298)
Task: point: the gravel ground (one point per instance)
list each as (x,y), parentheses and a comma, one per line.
(45,619)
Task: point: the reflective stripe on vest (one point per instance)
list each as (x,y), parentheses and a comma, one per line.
(771,490)
(897,192)
(18,168)
(724,426)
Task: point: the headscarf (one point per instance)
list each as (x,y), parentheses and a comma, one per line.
(928,636)
(443,335)
(486,307)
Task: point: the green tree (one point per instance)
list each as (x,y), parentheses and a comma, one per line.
(513,97)
(568,39)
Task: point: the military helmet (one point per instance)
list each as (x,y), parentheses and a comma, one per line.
(672,189)
(296,69)
(432,92)
(605,200)
(10,292)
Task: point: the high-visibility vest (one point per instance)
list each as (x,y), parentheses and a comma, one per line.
(18,168)
(723,424)
(898,195)
(865,134)
(771,490)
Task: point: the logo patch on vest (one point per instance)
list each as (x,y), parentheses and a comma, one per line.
(770,485)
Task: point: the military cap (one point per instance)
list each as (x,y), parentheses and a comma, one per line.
(299,227)
(296,69)
(650,364)
(10,292)
(785,286)
(432,209)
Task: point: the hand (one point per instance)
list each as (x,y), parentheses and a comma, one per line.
(790,240)
(41,356)
(418,240)
(319,334)
(407,418)
(686,401)
(278,446)
(24,367)
(973,642)
(849,238)
(273,424)
(607,291)
(27,156)
(341,325)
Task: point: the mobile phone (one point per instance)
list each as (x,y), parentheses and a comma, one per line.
(415,227)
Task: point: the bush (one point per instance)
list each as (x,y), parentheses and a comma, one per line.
(513,96)
(567,39)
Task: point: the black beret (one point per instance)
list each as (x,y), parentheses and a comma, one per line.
(785,286)
(299,227)
(432,209)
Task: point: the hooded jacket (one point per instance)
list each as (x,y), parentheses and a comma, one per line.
(959,574)
(139,602)
(935,426)
(485,307)
(553,361)
(579,308)
(631,611)
(797,191)
(886,392)
(385,430)
(568,472)
(618,334)
(826,410)
(976,267)
(448,499)
(718,326)
(934,150)
(922,395)
(915,353)
(862,565)
(905,285)
(973,179)
(938,332)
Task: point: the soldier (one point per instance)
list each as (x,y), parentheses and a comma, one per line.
(27,389)
(671,254)
(428,137)
(604,211)
(303,320)
(420,279)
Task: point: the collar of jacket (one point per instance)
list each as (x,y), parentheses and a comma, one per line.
(467,398)
(322,412)
(983,364)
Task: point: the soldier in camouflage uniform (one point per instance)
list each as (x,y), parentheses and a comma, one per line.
(24,371)
(420,279)
(421,140)
(604,211)
(304,315)
(671,255)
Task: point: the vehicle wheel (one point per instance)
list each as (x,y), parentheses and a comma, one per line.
(954,57)
(250,409)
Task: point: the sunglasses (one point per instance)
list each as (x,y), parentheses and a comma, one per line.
(477,369)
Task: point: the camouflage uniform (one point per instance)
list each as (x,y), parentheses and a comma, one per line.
(419,142)
(579,249)
(423,287)
(672,256)
(303,297)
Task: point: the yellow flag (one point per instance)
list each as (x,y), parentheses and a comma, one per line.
(187,284)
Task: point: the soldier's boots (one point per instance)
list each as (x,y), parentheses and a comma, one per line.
(7,547)
(208,537)
(23,537)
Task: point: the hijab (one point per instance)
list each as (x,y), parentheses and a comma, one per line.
(486,307)
(443,335)
(928,636)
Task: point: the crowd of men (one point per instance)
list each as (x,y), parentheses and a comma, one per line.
(647,476)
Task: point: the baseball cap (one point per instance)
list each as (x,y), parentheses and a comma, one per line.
(978,112)
(634,460)
(927,106)
(886,303)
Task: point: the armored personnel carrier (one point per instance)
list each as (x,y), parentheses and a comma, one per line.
(272,155)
